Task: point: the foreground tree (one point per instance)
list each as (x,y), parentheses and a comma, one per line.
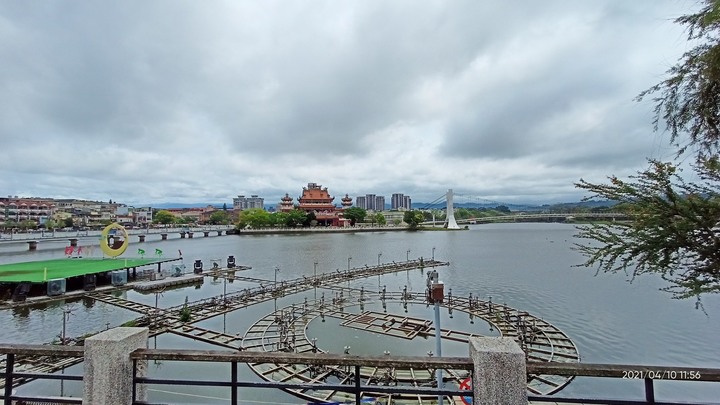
(675,229)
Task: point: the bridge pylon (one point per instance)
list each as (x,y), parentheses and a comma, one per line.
(450,222)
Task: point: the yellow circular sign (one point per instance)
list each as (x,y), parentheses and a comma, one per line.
(114,240)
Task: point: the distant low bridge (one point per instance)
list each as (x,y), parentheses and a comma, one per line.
(540,217)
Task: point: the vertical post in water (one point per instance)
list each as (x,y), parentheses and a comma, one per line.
(438,350)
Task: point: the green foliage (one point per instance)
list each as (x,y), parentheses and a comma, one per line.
(688,101)
(68,222)
(278,219)
(164,217)
(295,218)
(185,314)
(219,218)
(380,218)
(310,219)
(27,224)
(51,224)
(672,232)
(254,218)
(413,218)
(355,215)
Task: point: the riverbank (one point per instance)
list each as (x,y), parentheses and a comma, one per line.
(328,229)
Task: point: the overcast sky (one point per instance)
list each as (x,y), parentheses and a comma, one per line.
(199,101)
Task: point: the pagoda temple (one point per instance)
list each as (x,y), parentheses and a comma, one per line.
(316,199)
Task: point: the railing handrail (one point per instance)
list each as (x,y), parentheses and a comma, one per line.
(42,350)
(628,371)
(458,363)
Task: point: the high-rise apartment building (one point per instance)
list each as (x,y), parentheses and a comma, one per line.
(245,203)
(360,202)
(379,203)
(407,202)
(370,202)
(400,201)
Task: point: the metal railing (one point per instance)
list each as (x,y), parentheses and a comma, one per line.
(645,374)
(357,389)
(13,377)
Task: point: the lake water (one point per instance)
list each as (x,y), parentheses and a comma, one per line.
(527,266)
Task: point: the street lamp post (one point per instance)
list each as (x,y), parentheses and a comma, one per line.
(433,253)
(407,255)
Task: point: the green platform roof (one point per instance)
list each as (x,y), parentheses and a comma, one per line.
(41,271)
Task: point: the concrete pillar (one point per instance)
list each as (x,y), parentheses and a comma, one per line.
(163,236)
(206,233)
(108,368)
(182,235)
(500,376)
(32,244)
(219,233)
(142,238)
(190,234)
(73,242)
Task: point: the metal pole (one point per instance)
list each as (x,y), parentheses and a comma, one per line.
(438,350)
(275,287)
(234,378)
(407,255)
(315,278)
(357,385)
(379,255)
(348,275)
(433,253)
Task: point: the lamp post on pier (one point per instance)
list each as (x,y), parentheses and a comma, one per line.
(315,283)
(277,269)
(348,274)
(378,270)
(407,255)
(433,253)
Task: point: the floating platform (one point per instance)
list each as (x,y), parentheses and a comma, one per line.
(287,330)
(44,270)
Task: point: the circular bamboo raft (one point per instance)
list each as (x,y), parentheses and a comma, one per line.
(287,330)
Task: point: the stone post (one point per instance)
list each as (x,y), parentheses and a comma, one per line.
(32,244)
(163,236)
(142,238)
(500,376)
(206,233)
(190,235)
(73,242)
(108,368)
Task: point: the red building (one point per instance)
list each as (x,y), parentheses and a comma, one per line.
(316,199)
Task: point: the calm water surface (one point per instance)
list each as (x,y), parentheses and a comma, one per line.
(527,266)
